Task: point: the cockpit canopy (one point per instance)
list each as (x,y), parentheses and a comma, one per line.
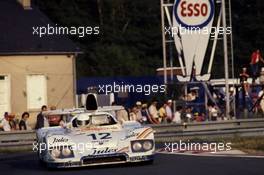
(89,119)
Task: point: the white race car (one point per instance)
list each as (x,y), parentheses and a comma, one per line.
(93,138)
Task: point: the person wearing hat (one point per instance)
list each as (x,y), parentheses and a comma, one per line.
(138,112)
(138,103)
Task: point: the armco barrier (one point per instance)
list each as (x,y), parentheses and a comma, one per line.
(210,126)
(17,140)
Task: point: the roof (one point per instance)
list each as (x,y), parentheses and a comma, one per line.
(16,32)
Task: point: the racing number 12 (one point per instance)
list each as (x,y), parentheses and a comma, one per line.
(101,135)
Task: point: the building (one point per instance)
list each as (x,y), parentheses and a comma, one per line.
(33,70)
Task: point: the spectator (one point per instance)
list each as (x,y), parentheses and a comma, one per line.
(133,114)
(145,114)
(5,122)
(261,99)
(122,115)
(212,112)
(12,122)
(168,109)
(254,63)
(192,95)
(154,115)
(23,125)
(177,115)
(138,112)
(232,97)
(41,120)
(198,117)
(188,114)
(261,78)
(162,113)
(243,80)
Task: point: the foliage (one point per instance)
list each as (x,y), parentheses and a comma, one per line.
(130,34)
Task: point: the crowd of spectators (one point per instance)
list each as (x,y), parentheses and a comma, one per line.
(163,113)
(11,123)
(251,92)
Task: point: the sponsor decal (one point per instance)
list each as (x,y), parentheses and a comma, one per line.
(190,19)
(60,140)
(104,151)
(131,135)
(193,13)
(99,129)
(145,133)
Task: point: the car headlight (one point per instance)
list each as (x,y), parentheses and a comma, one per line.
(136,146)
(66,152)
(142,145)
(62,152)
(147,145)
(55,153)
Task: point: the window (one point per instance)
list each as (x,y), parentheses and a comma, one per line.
(36,91)
(5,105)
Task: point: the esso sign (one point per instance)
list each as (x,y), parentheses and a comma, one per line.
(193,13)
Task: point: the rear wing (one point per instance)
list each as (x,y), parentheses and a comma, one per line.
(76,111)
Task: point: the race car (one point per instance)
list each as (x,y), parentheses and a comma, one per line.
(93,137)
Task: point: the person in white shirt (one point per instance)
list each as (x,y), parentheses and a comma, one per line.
(138,112)
(168,109)
(213,112)
(177,115)
(5,123)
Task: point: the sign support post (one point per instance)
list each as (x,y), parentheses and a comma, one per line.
(226,62)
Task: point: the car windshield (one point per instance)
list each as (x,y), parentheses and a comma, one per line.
(86,120)
(101,120)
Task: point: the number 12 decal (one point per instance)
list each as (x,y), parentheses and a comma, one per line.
(100,136)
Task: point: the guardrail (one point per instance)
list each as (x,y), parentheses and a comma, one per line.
(19,140)
(210,130)
(210,126)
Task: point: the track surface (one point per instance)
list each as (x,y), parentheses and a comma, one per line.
(165,164)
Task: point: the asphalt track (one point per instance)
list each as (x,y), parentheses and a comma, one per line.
(164,164)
